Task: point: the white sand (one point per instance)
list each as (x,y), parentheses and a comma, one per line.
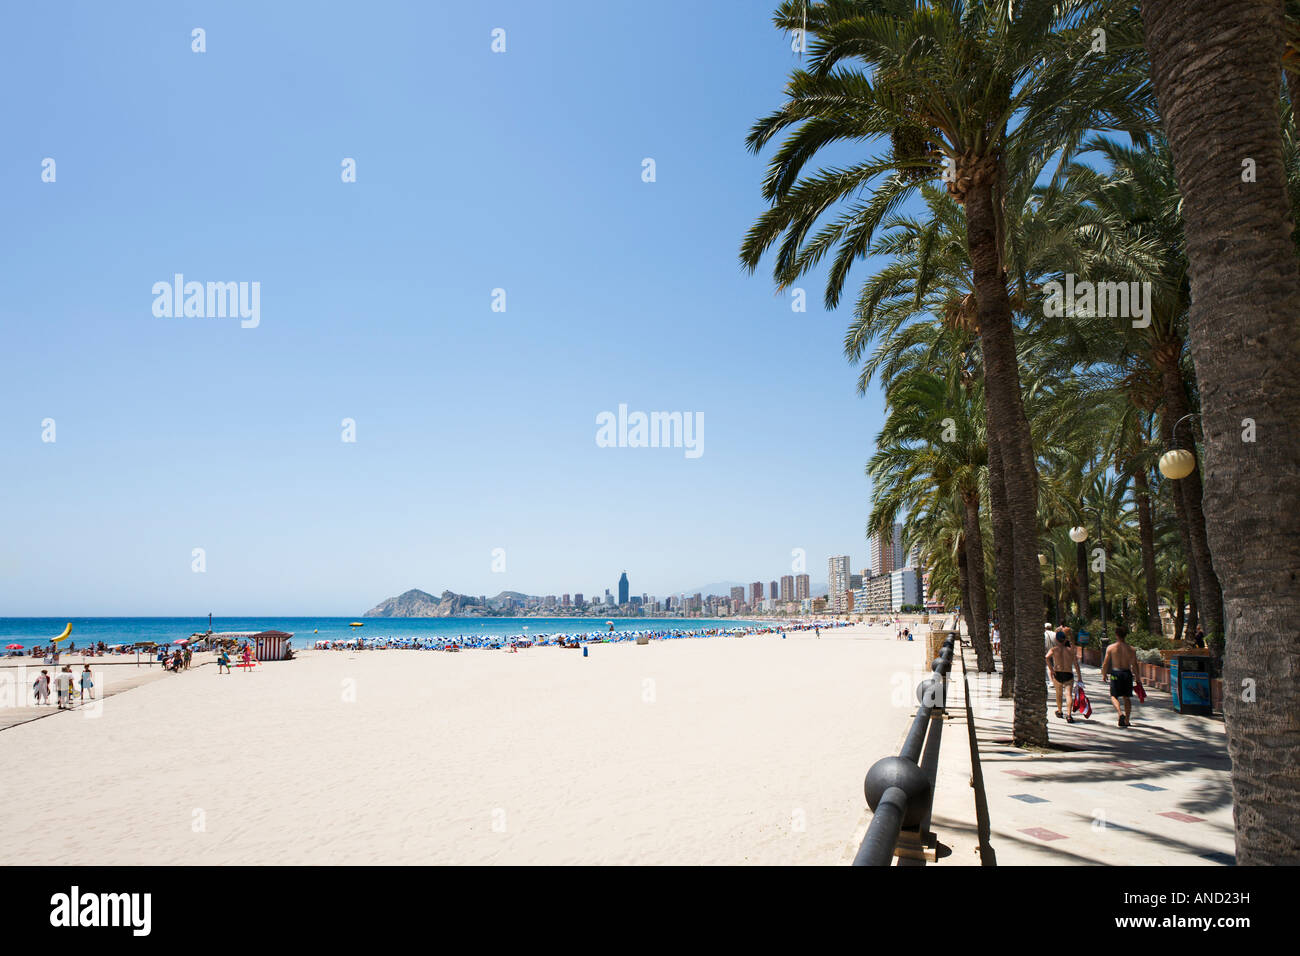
(694,751)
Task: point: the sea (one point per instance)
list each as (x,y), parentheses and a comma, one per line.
(32,631)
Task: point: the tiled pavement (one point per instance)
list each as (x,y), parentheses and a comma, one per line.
(1153,794)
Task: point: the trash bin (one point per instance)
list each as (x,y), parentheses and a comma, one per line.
(1189,683)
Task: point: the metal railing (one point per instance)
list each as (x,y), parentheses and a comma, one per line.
(900,790)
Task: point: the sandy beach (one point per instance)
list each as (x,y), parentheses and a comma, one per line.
(712,751)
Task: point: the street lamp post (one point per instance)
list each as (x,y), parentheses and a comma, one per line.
(1056,587)
(1079,535)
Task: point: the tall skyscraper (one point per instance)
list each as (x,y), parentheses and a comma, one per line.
(622,589)
(887,551)
(771,590)
(802,587)
(787,587)
(837,582)
(756,594)
(882,554)
(738,594)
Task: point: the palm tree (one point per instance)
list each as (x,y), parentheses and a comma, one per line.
(991,88)
(1127,223)
(1217,71)
(932,438)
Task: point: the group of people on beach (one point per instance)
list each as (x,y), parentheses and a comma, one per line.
(64,685)
(519,641)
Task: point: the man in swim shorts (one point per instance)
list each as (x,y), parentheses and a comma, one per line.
(1118,665)
(1063,664)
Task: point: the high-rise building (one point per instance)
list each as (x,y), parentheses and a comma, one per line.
(756,594)
(622,589)
(837,582)
(771,590)
(855,581)
(904,589)
(887,551)
(738,595)
(577,599)
(564,600)
(882,554)
(802,587)
(787,587)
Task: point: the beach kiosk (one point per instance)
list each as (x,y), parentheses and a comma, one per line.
(266,645)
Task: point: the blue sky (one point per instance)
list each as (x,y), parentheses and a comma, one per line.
(475,429)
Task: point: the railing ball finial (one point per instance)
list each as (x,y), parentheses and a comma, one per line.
(908,777)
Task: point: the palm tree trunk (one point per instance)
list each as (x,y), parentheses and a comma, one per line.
(1176,406)
(1178,618)
(1216,69)
(963,581)
(979,593)
(1003,572)
(1007,422)
(1147,541)
(1081,559)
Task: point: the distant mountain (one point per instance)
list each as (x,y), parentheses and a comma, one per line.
(417,603)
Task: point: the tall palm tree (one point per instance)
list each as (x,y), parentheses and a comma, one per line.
(933,438)
(1216,66)
(1127,222)
(990,88)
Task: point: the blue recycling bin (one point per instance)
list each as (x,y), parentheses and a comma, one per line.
(1189,683)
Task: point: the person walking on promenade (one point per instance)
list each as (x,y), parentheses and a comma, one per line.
(1118,665)
(63,686)
(87,682)
(1064,665)
(42,688)
(996,637)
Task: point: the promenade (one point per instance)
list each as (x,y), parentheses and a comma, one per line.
(1158,793)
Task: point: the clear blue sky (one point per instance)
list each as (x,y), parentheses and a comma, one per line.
(475,429)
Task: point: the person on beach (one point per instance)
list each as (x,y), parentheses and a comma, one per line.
(87,682)
(63,687)
(42,688)
(189,656)
(223,660)
(1118,666)
(1064,665)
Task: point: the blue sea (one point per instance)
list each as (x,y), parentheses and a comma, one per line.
(30,631)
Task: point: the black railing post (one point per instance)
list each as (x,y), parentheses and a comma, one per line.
(897,789)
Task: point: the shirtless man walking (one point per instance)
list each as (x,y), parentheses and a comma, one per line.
(1063,664)
(1118,664)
